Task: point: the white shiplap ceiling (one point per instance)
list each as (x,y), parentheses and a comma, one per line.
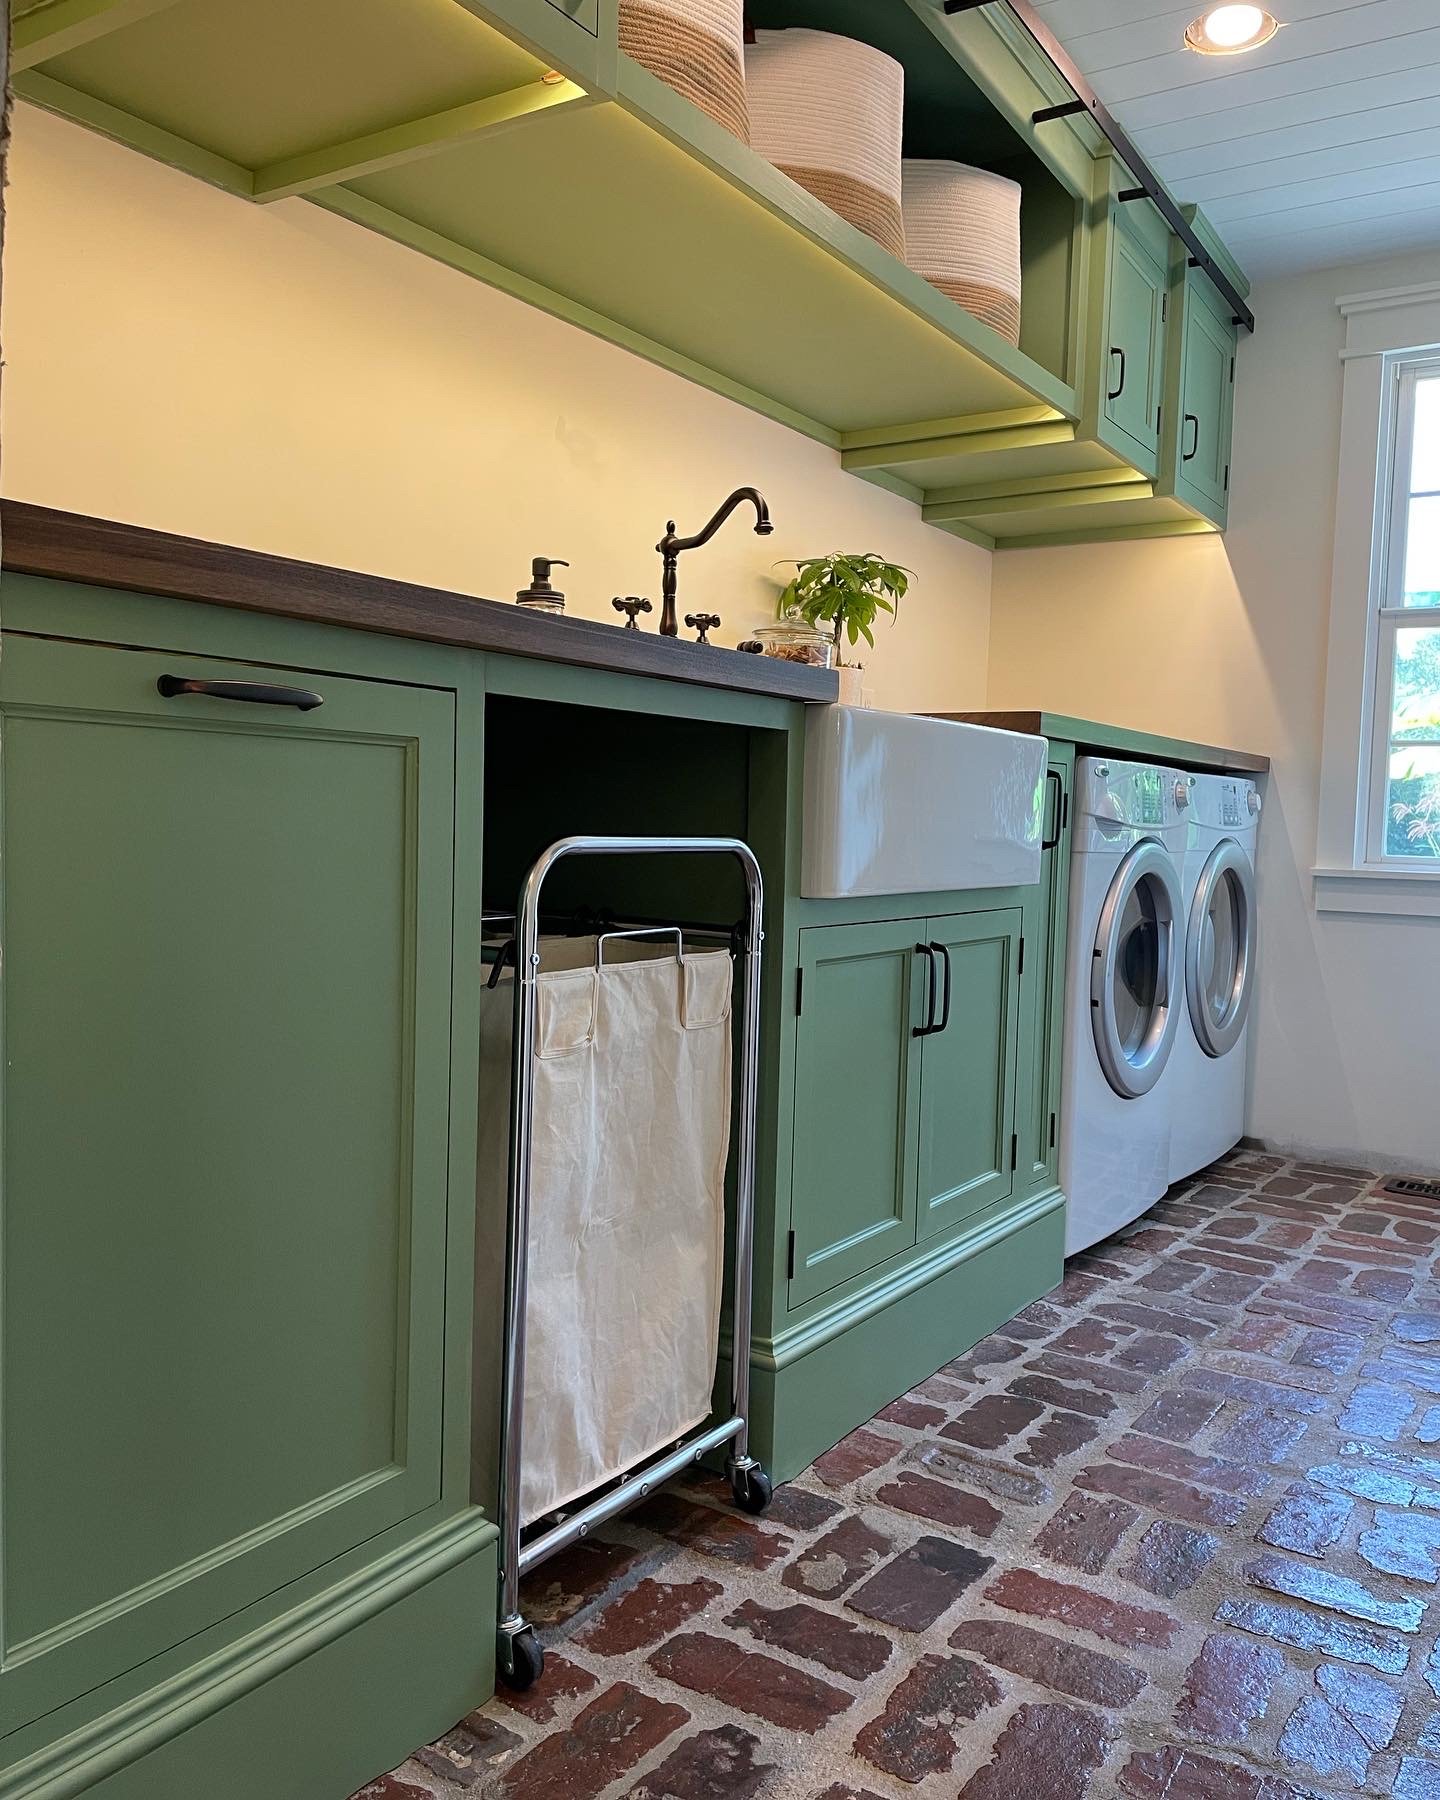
(1322,146)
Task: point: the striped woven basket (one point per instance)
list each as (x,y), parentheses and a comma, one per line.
(696,47)
(828,112)
(962,233)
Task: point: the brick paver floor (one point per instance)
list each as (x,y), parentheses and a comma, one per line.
(1174,1531)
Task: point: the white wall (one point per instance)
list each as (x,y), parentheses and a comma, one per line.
(283,379)
(1225,640)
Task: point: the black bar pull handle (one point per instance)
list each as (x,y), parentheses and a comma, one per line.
(260,693)
(944,951)
(1115,350)
(1187,455)
(1049,843)
(928,952)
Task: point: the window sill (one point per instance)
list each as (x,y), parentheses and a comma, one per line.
(1400,893)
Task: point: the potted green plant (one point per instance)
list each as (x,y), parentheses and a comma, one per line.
(847,594)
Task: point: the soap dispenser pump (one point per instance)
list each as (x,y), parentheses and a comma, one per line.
(540,596)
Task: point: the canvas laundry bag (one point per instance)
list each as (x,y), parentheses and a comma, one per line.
(631,1081)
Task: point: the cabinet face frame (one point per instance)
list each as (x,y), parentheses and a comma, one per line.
(68,684)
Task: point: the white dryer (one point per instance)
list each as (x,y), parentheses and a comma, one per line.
(1220,935)
(1124,994)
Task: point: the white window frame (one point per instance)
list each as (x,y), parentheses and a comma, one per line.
(1386,334)
(1389,615)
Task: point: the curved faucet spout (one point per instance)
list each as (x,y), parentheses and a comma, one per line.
(671,546)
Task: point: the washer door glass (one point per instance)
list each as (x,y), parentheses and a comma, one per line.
(1220,949)
(1134,973)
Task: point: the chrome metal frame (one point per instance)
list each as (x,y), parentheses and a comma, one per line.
(1217,1037)
(1132,1077)
(517,1560)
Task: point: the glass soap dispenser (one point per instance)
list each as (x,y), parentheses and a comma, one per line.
(540,596)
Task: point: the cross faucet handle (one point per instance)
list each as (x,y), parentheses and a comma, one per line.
(631,604)
(704,623)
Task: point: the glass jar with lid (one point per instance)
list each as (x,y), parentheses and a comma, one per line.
(792,640)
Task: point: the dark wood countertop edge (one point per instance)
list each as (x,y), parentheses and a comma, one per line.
(1119,740)
(40,540)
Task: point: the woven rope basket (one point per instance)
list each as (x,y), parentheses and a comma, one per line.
(696,47)
(962,233)
(827,111)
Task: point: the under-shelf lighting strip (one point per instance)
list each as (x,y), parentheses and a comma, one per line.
(1149,186)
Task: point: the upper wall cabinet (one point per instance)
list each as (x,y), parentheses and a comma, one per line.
(513,140)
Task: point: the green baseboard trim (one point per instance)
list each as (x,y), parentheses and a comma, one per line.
(803,1408)
(309,1706)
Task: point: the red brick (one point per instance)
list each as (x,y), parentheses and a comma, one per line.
(748,1681)
(1162,1493)
(1383,1284)
(572,1578)
(1170,1773)
(860,1454)
(1060,1436)
(1228,1688)
(1177,1416)
(1069,1668)
(838,1560)
(648,1612)
(1104,1376)
(1258,1393)
(1187,1465)
(726,1536)
(605,1741)
(1308,1520)
(1168,1277)
(1076,1289)
(561,1681)
(471,1753)
(1179,1324)
(993,1421)
(1056,1393)
(1260,1435)
(798,1509)
(806,1631)
(1403,1543)
(1151,1353)
(1226,1289)
(1377,1410)
(1317,1736)
(1372,1706)
(957,1462)
(1023,1591)
(1091,1337)
(713,1765)
(391,1787)
(1084,1532)
(920,1730)
(1382,1650)
(1289,1375)
(1260,1336)
(1044,1753)
(1323,1587)
(940,1391)
(913,1589)
(936,1500)
(915,1414)
(1170,1558)
(1416,1328)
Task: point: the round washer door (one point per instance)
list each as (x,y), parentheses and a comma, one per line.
(1135,972)
(1220,948)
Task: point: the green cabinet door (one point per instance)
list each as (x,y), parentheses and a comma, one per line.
(1038,1107)
(226,1011)
(967,1070)
(1207,387)
(857,1097)
(1135,347)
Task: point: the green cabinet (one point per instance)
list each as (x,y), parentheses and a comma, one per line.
(227,1020)
(1199,451)
(1038,1107)
(905,1081)
(857,1101)
(1135,339)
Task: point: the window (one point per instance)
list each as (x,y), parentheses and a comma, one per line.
(1403,809)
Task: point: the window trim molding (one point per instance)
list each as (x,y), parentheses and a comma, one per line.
(1380,328)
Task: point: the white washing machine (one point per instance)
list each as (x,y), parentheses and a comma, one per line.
(1124,993)
(1219,888)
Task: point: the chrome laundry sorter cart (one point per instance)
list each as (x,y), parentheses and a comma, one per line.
(621,1070)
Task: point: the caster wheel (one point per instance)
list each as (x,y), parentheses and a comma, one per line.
(752,1489)
(521,1659)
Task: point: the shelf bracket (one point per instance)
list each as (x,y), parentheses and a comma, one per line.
(1149,185)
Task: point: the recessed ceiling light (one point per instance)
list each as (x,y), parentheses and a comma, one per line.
(1227,30)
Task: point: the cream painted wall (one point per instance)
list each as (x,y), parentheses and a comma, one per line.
(1225,640)
(283,379)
